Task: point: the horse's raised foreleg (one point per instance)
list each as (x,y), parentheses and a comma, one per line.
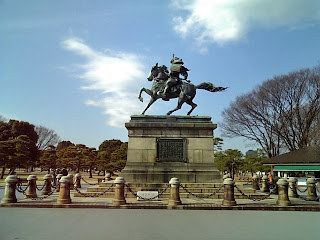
(147,91)
(152,100)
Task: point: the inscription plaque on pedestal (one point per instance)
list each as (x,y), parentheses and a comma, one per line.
(171,150)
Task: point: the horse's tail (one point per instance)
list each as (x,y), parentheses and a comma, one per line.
(210,87)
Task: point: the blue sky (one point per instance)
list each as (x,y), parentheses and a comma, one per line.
(77,66)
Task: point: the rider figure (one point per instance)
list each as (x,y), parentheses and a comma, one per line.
(176,69)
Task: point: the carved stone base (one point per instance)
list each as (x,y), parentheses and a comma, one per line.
(163,147)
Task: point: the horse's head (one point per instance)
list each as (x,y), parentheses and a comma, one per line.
(153,72)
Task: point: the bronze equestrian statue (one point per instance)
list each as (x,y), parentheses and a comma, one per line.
(169,85)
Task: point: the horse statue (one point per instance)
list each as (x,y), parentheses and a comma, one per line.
(184,91)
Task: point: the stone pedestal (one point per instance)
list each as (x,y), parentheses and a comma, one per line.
(255,182)
(265,187)
(10,190)
(70,176)
(312,191)
(64,194)
(78,181)
(228,198)
(163,147)
(119,198)
(292,191)
(283,198)
(31,191)
(59,176)
(47,184)
(174,198)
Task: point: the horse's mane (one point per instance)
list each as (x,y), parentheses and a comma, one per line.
(164,70)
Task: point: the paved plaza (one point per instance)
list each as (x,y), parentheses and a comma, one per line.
(141,224)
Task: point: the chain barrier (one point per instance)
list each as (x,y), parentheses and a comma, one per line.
(201,196)
(253,198)
(147,199)
(20,189)
(297,193)
(54,183)
(91,183)
(40,189)
(92,194)
(54,186)
(43,197)
(302,191)
(23,191)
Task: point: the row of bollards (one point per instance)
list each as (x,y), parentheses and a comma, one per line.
(285,189)
(64,185)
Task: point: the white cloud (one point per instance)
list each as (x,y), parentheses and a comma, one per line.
(221,21)
(117,76)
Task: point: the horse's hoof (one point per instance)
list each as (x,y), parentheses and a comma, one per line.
(169,113)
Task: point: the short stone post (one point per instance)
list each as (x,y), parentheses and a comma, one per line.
(71,180)
(64,194)
(78,181)
(255,182)
(32,187)
(275,187)
(312,191)
(107,177)
(265,186)
(283,198)
(47,184)
(119,198)
(292,191)
(59,176)
(10,190)
(174,198)
(228,198)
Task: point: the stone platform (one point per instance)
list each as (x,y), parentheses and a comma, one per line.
(162,147)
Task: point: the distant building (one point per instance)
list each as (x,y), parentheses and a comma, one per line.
(304,162)
(251,152)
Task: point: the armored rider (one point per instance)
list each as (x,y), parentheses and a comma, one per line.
(176,69)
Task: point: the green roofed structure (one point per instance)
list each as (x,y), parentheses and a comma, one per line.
(304,162)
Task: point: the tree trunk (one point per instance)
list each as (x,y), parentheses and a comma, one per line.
(2,173)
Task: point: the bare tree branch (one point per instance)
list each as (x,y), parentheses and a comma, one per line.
(46,137)
(281,112)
